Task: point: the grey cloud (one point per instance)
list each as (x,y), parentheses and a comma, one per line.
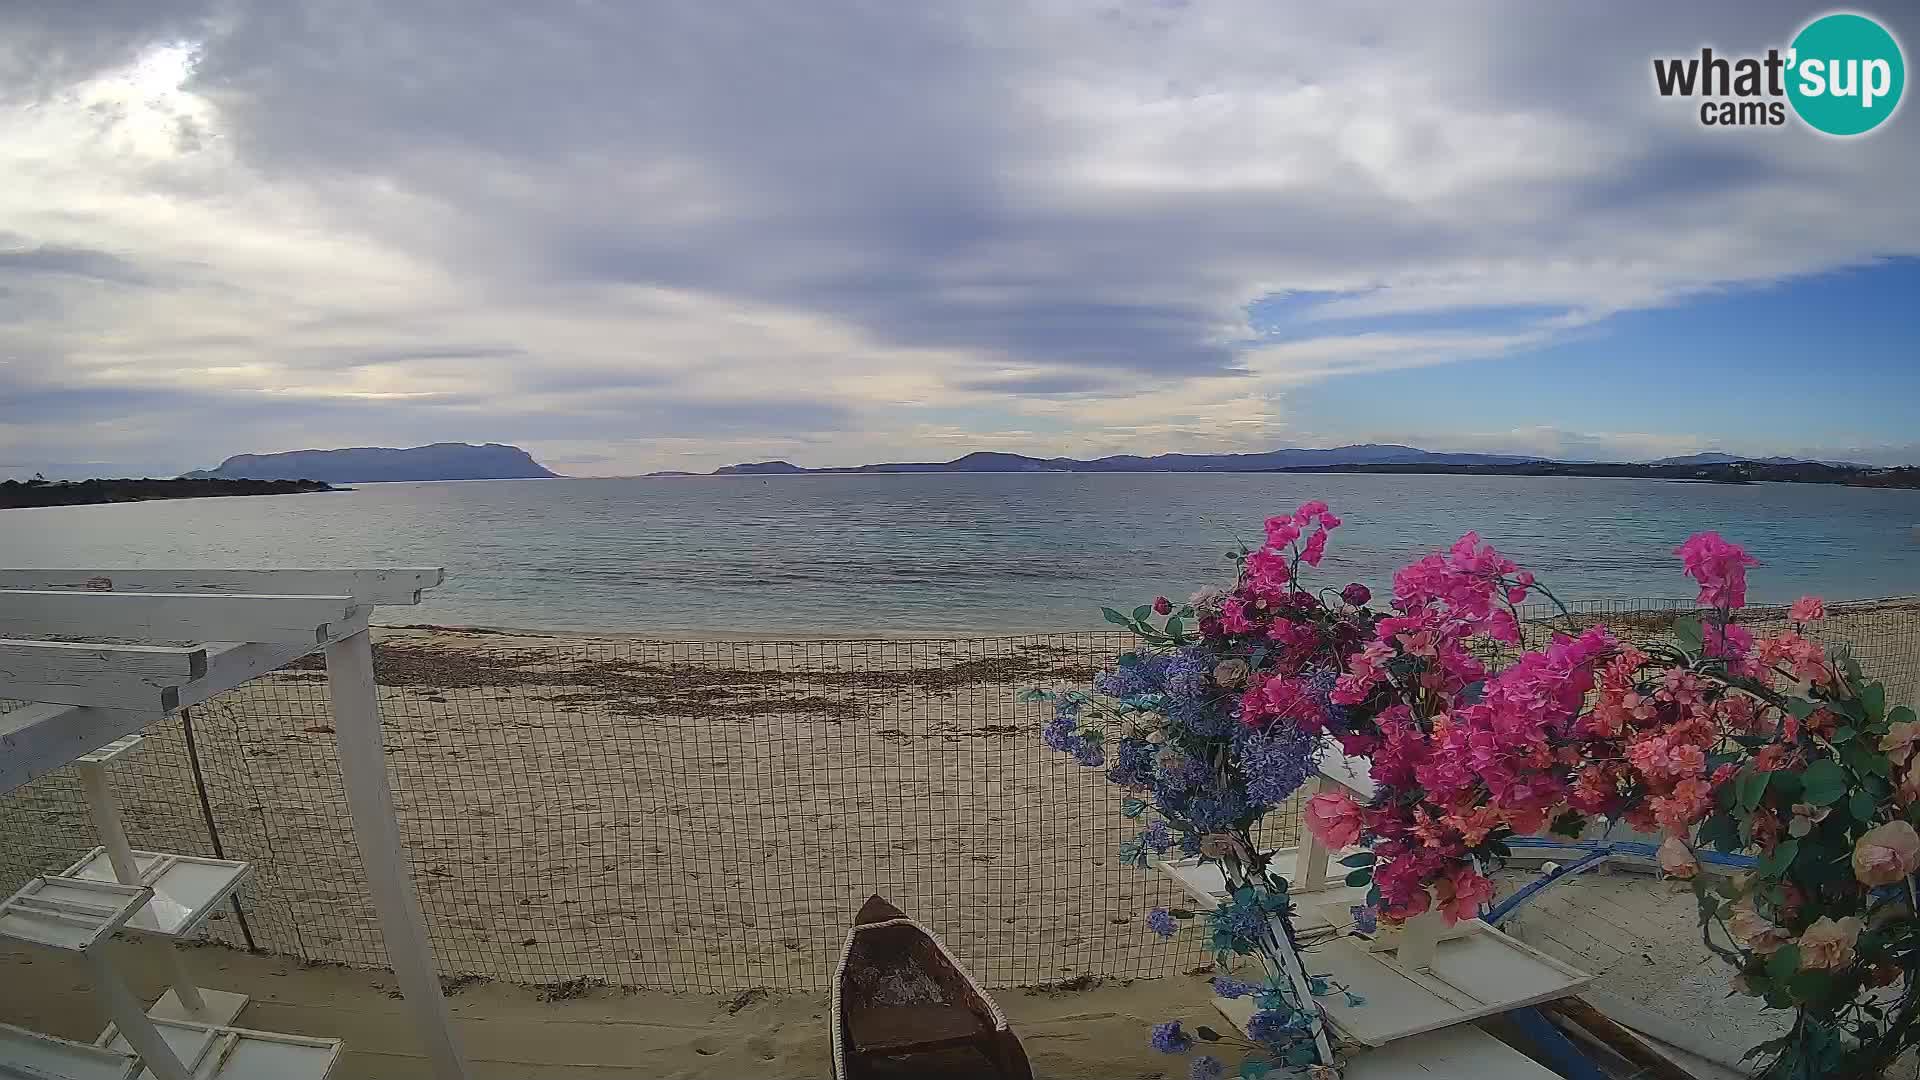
(912,171)
(74,262)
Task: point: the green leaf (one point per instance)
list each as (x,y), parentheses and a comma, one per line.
(1900,715)
(1801,707)
(1116,618)
(1784,962)
(1176,629)
(1206,1034)
(1689,633)
(1140,613)
(1722,832)
(1776,862)
(1132,808)
(1570,823)
(1862,806)
(1255,1070)
(1874,697)
(1358,858)
(1823,783)
(1180,913)
(1357,878)
(1811,985)
(1844,734)
(1752,785)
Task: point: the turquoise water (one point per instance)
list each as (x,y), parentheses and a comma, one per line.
(943,554)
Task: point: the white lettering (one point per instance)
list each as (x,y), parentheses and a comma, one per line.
(1813,77)
(1879,79)
(1852,82)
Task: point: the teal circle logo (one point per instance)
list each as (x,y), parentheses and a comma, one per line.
(1845,74)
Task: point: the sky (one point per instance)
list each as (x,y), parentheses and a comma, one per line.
(668,235)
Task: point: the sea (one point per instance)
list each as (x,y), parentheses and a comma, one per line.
(965,554)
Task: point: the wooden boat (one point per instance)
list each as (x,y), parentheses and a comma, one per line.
(904,1007)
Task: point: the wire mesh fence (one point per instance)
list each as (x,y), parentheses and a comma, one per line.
(697,816)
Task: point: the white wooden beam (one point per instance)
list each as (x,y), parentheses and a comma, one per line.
(38,738)
(381,586)
(113,676)
(363,768)
(172,616)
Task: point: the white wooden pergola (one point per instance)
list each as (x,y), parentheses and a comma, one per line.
(118,666)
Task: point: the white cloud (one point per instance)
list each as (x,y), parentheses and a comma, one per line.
(670,236)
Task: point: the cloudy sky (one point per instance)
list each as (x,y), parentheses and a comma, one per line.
(659,235)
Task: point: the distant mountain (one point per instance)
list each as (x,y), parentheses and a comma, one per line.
(761,468)
(371,464)
(1715,457)
(983,461)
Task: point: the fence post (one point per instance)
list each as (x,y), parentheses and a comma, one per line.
(213,828)
(363,767)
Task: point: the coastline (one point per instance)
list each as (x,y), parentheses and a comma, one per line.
(1759,612)
(38,494)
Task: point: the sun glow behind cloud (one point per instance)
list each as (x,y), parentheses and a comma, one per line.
(859,233)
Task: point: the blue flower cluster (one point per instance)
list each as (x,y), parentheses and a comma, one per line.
(1275,762)
(1206,1067)
(1063,734)
(1279,1028)
(1169,1039)
(1133,761)
(1162,922)
(1234,988)
(1156,838)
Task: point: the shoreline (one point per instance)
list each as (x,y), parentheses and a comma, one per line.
(1861,606)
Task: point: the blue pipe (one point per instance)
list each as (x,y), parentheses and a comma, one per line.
(1505,907)
(1631,847)
(1598,852)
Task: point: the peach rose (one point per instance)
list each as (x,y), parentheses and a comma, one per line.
(1886,854)
(1334,819)
(1900,741)
(1910,784)
(1755,931)
(1808,609)
(1829,944)
(1676,859)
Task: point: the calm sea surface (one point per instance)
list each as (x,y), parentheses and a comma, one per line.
(944,554)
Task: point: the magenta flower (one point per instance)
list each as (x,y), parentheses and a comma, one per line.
(1719,566)
(1808,609)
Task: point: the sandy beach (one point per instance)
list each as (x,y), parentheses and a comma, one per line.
(593,816)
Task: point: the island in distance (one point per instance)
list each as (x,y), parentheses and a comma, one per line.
(1712,467)
(374,464)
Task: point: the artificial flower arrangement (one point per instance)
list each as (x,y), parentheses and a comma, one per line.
(1212,724)
(1773,747)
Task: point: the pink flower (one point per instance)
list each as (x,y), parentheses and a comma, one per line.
(1307,511)
(1334,819)
(1461,894)
(1233,617)
(1328,520)
(1909,790)
(1281,531)
(1316,548)
(1755,931)
(1886,854)
(1676,859)
(1162,606)
(1808,609)
(1901,740)
(1828,944)
(1720,568)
